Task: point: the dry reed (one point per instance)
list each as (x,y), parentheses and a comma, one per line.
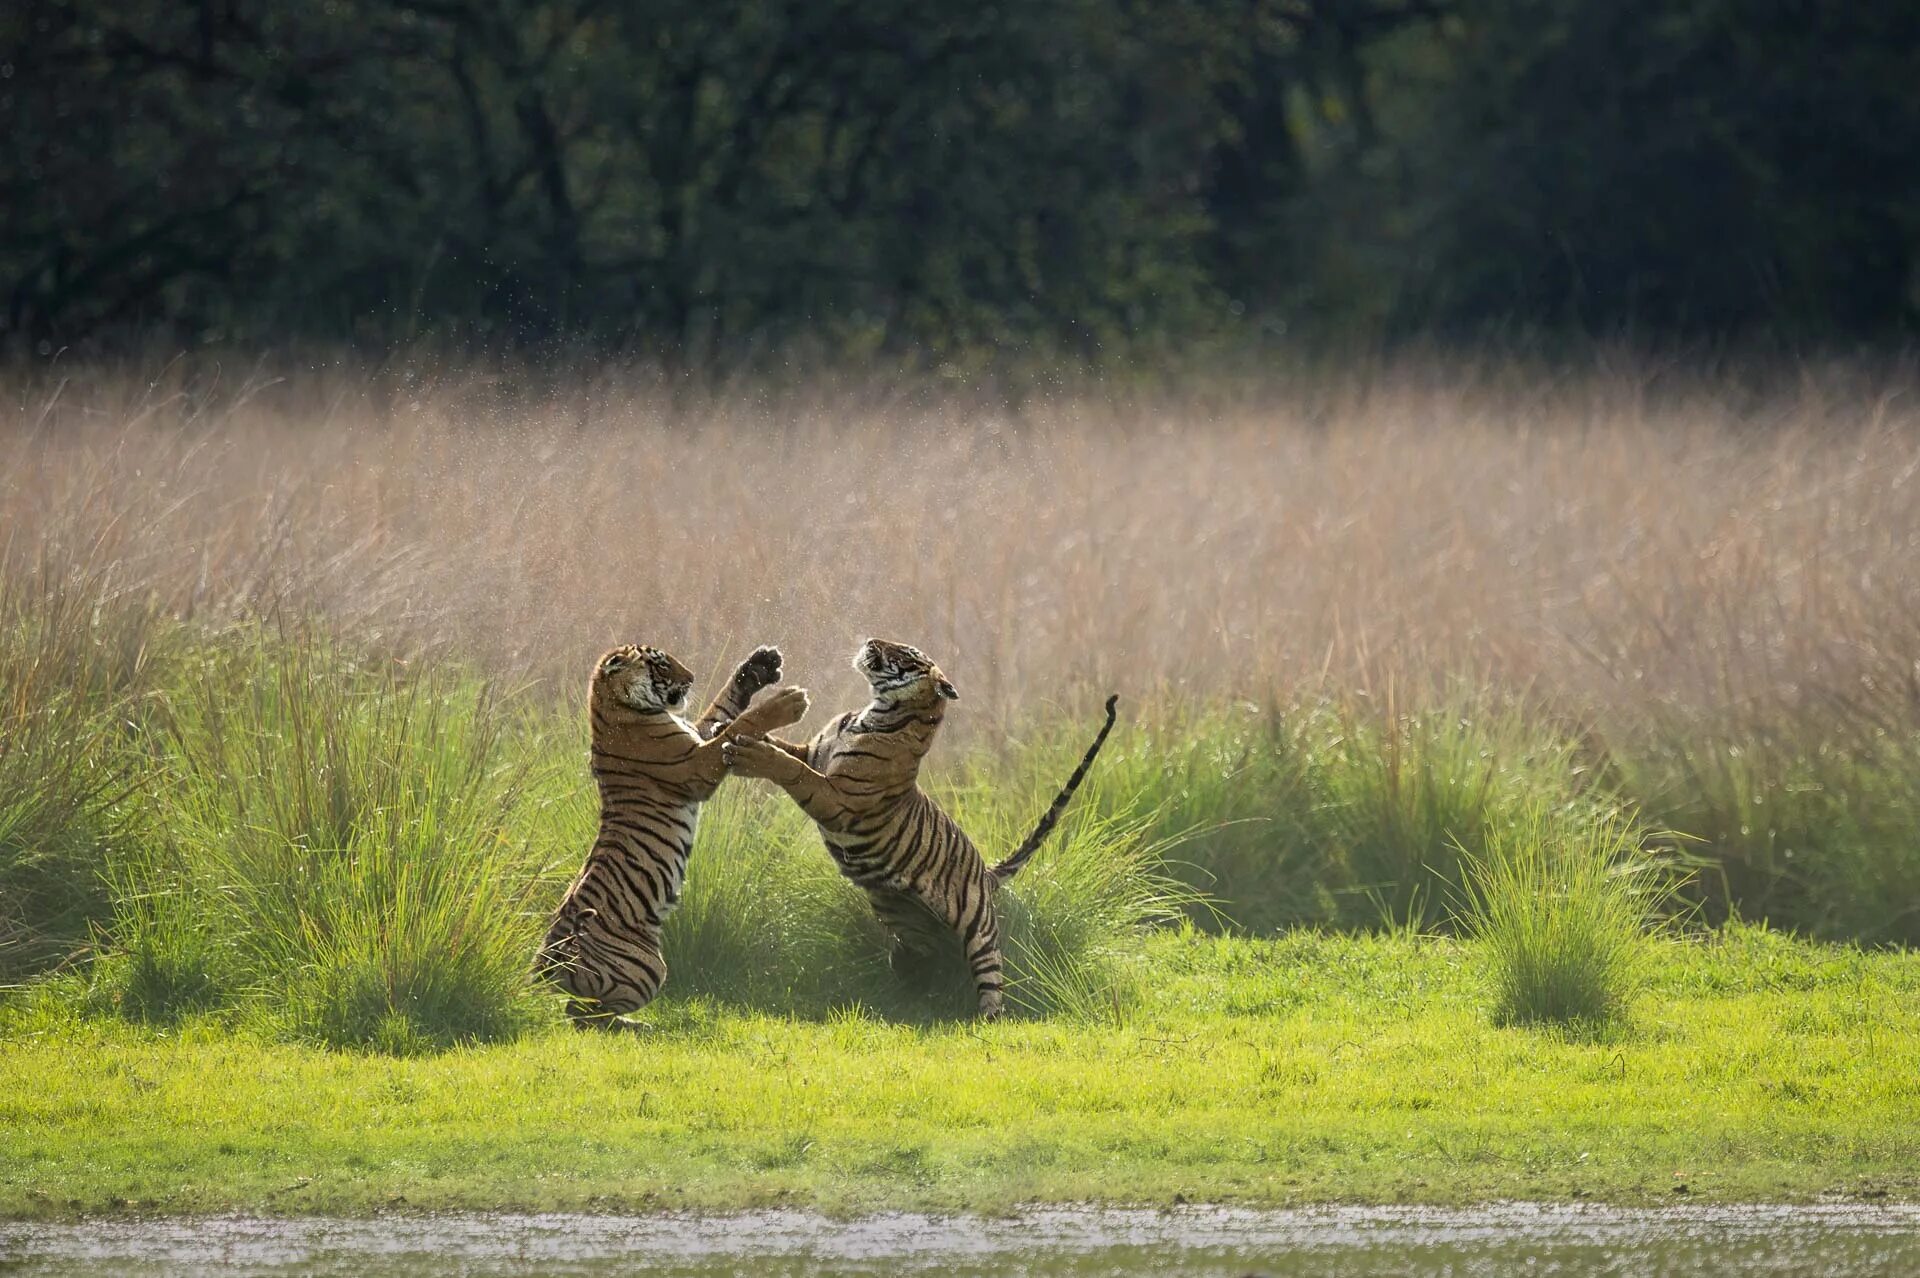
(1606,540)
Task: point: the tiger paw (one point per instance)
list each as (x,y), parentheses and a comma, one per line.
(787,706)
(753,757)
(760,670)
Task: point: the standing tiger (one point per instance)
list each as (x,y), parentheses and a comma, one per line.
(858,780)
(653,770)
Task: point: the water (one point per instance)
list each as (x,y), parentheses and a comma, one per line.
(1337,1242)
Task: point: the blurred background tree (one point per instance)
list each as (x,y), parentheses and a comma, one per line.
(699,180)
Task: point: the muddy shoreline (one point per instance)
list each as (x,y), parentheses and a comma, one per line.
(1495,1239)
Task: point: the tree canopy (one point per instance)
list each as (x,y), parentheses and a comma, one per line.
(695,177)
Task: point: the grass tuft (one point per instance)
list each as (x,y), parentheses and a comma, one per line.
(75,652)
(340,853)
(1560,909)
(1798,819)
(1072,920)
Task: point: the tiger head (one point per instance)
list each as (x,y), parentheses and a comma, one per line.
(900,673)
(641,679)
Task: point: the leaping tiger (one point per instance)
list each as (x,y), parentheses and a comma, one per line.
(858,780)
(653,770)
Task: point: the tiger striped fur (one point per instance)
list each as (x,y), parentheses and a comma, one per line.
(653,770)
(858,780)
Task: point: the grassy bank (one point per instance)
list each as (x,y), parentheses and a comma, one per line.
(1311,1068)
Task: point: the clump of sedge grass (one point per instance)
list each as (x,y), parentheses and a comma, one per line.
(341,854)
(1560,909)
(1409,799)
(1073,920)
(1799,820)
(1074,916)
(75,650)
(1335,814)
(766,920)
(1231,793)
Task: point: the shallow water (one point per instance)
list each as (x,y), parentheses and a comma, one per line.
(1835,1241)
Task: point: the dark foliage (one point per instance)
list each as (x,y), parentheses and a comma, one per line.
(694,178)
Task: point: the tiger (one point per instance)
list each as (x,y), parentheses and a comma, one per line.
(858,780)
(653,771)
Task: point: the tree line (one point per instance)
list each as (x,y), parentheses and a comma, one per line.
(696,178)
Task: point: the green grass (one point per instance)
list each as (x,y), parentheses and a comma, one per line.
(274,901)
(1811,820)
(359,851)
(1309,1068)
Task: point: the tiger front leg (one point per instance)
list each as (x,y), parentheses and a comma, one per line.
(783,709)
(816,793)
(713,759)
(754,756)
(760,670)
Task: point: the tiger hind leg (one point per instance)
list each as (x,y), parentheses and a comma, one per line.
(922,936)
(919,942)
(969,924)
(589,1017)
(912,960)
(624,977)
(989,978)
(980,940)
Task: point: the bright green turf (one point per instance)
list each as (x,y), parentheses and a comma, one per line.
(1303,1069)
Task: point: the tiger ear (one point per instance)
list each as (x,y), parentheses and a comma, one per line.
(947,690)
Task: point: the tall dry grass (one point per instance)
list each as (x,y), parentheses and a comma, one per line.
(1615,537)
